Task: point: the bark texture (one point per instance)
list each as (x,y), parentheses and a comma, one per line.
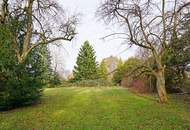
(160,85)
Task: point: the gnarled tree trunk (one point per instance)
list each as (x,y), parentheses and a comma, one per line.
(160,85)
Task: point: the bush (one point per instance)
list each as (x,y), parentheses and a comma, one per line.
(90,83)
(21,88)
(19,93)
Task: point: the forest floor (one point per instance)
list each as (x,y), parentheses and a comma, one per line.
(106,108)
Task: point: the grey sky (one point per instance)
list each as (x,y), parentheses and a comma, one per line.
(89,29)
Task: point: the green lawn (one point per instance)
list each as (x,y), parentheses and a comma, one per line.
(97,109)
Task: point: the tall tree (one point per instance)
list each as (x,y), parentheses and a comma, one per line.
(150,24)
(44,22)
(86,68)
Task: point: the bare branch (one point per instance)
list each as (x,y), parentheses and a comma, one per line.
(41,22)
(183,6)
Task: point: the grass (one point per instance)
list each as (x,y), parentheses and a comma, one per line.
(97,109)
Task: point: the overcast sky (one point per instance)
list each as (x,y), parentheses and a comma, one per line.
(92,30)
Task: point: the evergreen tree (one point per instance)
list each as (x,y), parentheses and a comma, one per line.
(102,71)
(40,58)
(20,84)
(86,68)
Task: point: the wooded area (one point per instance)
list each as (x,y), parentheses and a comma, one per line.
(159,70)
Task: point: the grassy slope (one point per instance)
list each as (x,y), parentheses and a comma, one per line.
(96,109)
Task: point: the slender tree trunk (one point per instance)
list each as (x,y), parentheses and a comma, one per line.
(160,85)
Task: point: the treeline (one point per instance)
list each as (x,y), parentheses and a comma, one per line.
(88,72)
(176,60)
(177,66)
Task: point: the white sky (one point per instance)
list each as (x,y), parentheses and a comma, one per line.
(89,29)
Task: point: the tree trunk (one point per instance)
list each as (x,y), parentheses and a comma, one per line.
(3,11)
(160,84)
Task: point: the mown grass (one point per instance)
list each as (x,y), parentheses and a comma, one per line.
(97,109)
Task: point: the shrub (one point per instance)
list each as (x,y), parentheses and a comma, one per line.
(19,93)
(91,83)
(21,88)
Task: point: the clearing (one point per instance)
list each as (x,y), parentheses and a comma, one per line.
(97,109)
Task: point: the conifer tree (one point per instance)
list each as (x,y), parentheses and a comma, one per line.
(86,68)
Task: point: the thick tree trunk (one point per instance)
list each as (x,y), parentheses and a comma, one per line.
(160,84)
(3,11)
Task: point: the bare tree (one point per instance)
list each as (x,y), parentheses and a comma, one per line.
(150,24)
(44,22)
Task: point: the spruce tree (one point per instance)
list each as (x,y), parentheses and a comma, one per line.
(86,68)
